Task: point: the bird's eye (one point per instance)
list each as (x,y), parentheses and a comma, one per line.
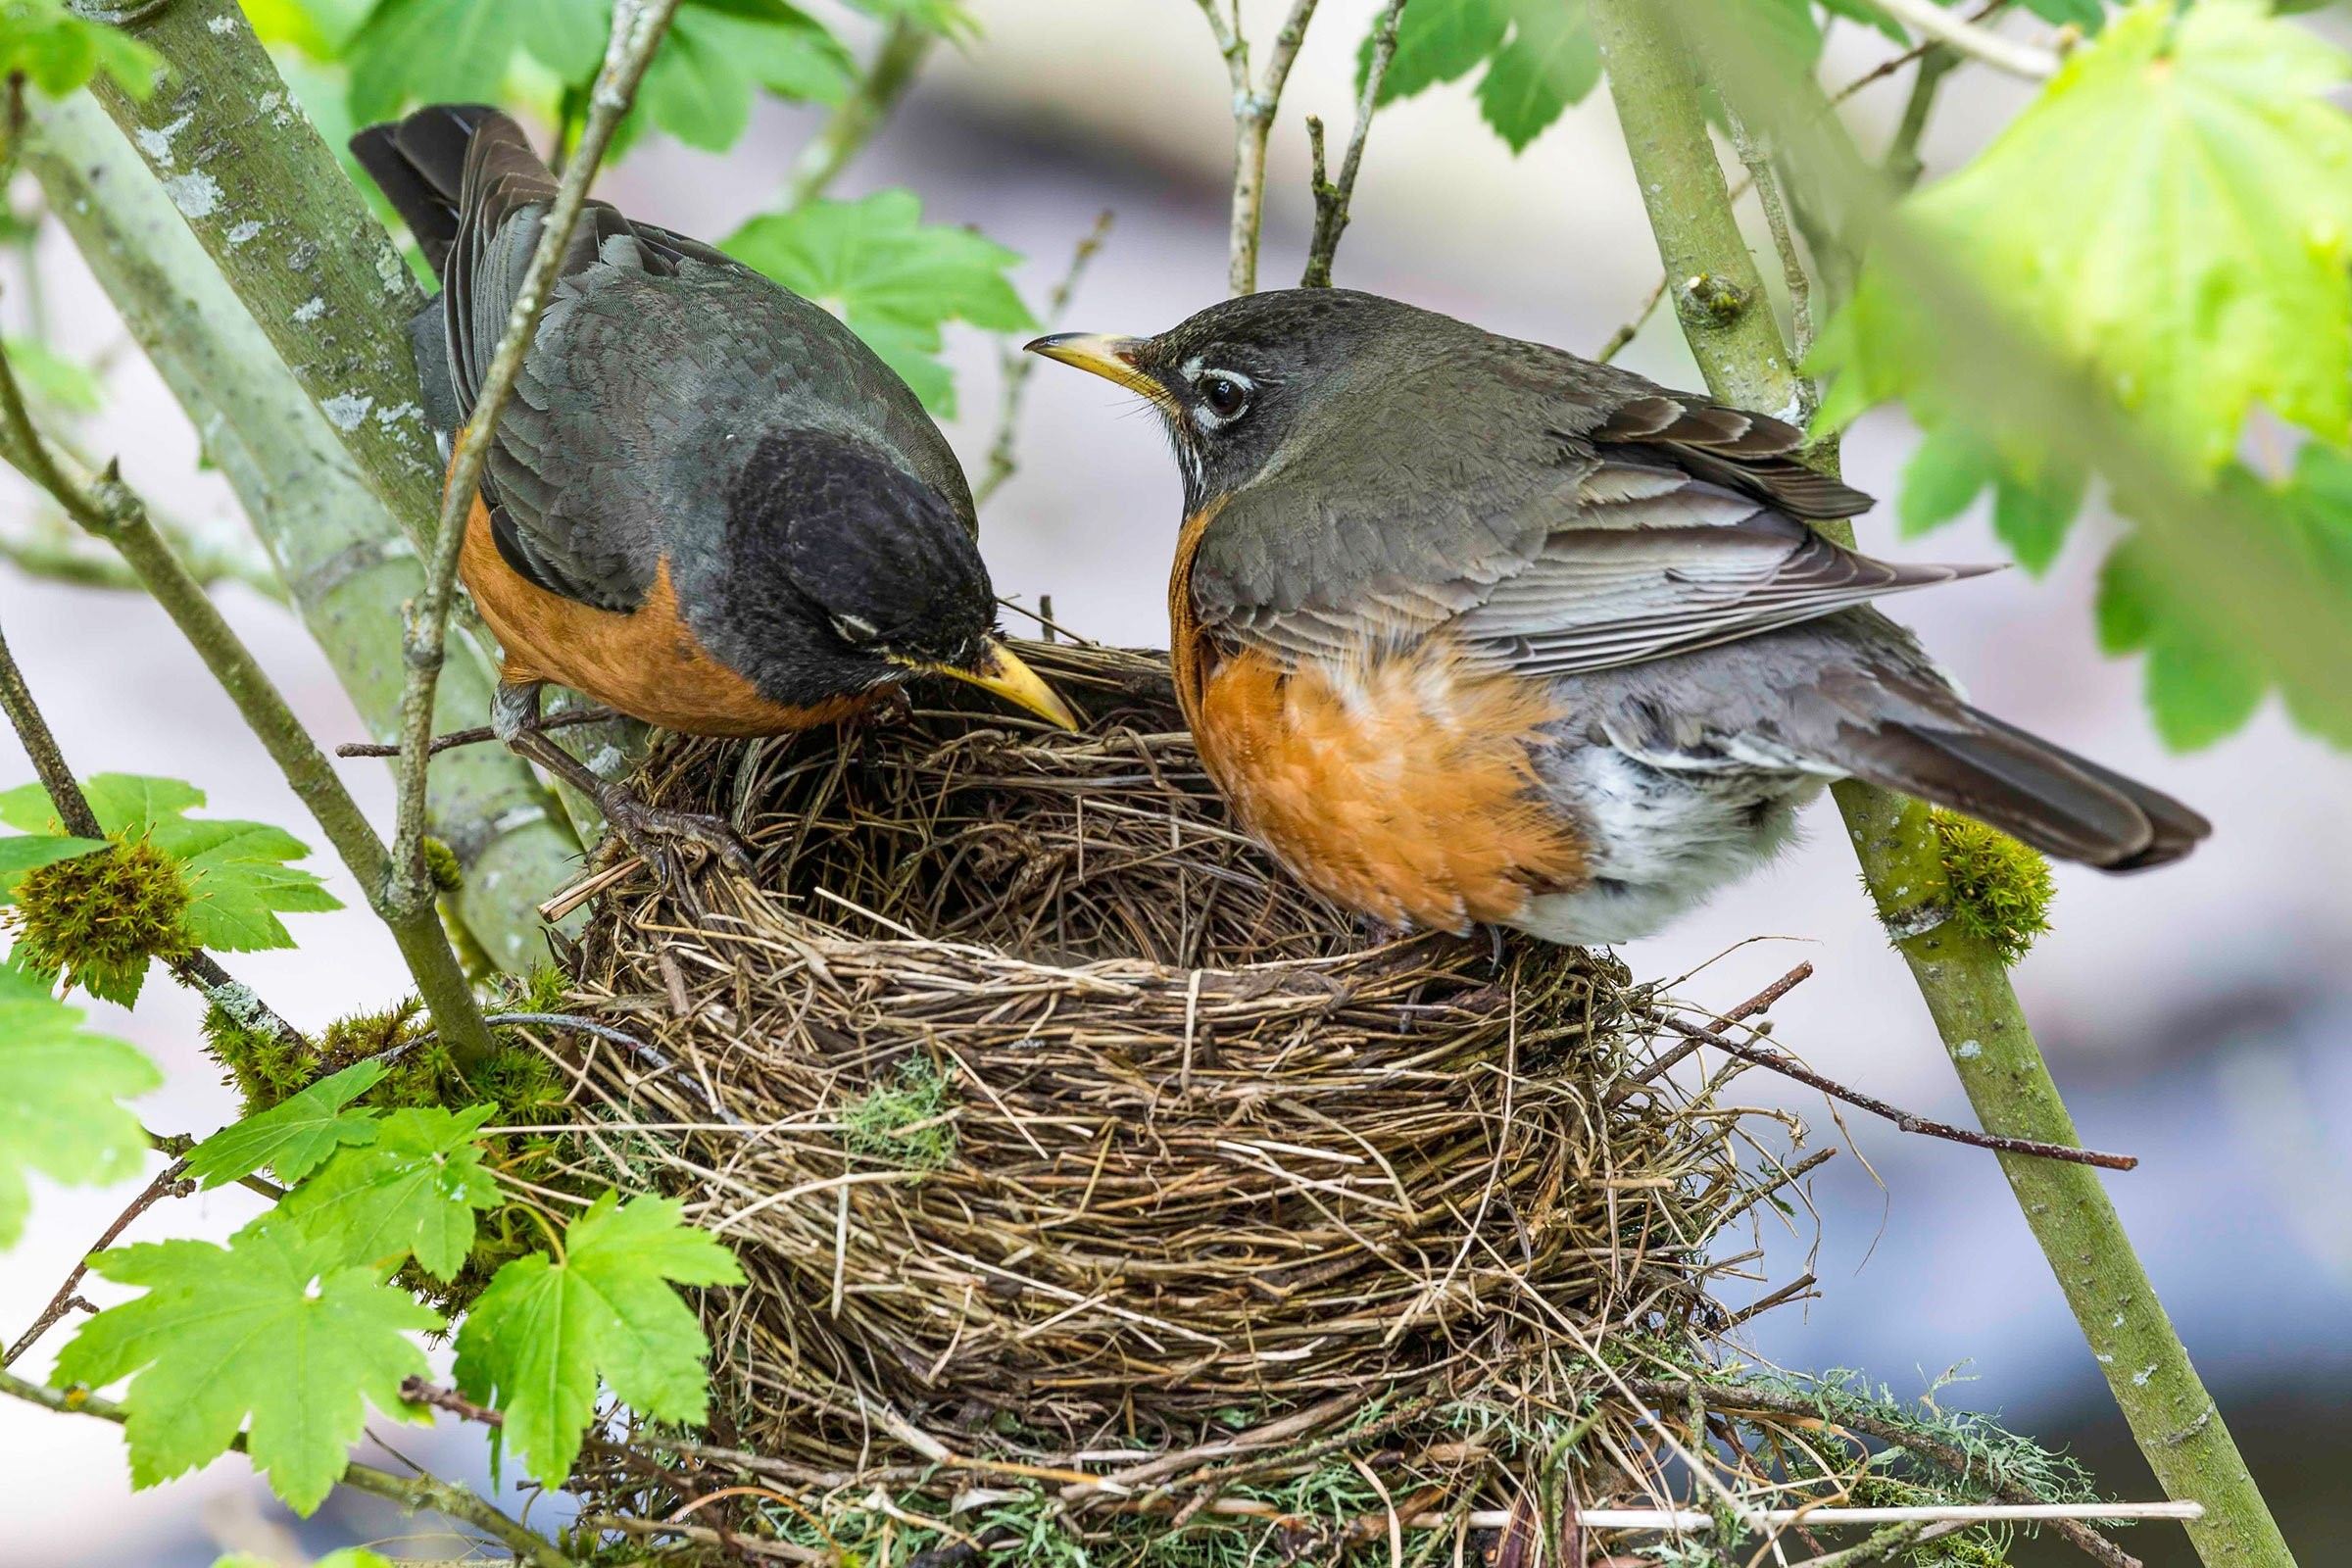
(1224,396)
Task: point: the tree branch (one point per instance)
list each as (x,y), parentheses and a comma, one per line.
(1332,198)
(1932,20)
(419,1493)
(1252,123)
(106,507)
(638,26)
(167,1184)
(340,554)
(1962,980)
(855,120)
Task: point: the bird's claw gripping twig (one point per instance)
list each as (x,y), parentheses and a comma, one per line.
(654,832)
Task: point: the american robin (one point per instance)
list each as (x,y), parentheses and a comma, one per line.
(709,504)
(1470,629)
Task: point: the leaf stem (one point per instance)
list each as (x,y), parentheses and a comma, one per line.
(1332,197)
(1961,979)
(638,26)
(419,1493)
(107,508)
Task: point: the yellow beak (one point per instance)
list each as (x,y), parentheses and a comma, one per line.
(1114,359)
(999,671)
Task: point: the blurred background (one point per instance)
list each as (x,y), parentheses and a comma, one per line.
(2196,1018)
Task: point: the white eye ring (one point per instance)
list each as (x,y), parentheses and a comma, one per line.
(1224,397)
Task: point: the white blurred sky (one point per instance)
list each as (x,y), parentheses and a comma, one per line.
(2195,1015)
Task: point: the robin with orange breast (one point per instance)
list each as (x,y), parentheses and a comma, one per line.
(708,504)
(1471,631)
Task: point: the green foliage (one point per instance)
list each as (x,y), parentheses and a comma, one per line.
(66,386)
(2000,888)
(2072,222)
(442,864)
(348,1557)
(175,882)
(548,1328)
(60,1093)
(1539,56)
(699,89)
(893,278)
(295,1136)
(2199,687)
(57,51)
(2224,111)
(904,1122)
(271,1328)
(411,1193)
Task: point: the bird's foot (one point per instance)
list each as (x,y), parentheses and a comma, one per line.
(654,833)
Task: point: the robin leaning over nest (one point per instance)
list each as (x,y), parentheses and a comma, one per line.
(709,505)
(1471,631)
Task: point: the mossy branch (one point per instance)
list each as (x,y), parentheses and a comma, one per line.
(104,506)
(1654,82)
(340,555)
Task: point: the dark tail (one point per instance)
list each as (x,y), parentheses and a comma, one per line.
(420,164)
(2061,803)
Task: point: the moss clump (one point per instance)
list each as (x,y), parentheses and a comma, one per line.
(97,920)
(441,863)
(904,1120)
(2000,890)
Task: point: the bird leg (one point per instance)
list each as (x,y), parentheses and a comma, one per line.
(648,830)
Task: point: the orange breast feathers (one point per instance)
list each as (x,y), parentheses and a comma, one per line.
(1396,781)
(644,662)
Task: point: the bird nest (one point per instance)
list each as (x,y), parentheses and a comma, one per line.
(1093,1177)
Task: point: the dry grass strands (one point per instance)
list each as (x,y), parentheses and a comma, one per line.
(1076,1154)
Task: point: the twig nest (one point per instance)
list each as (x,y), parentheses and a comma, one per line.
(1048,1114)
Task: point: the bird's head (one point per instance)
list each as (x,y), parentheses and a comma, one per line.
(878,573)
(1247,383)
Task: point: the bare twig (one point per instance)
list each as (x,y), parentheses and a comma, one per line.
(1930,19)
(423,1492)
(1003,452)
(104,506)
(199,971)
(1789,1067)
(167,1184)
(1756,159)
(1332,197)
(1762,1000)
(1625,334)
(638,26)
(1254,106)
(479,733)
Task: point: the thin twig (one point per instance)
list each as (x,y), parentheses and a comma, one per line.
(1756,158)
(855,120)
(1003,452)
(199,971)
(1933,21)
(638,26)
(1332,197)
(479,733)
(167,1184)
(107,508)
(423,1492)
(1253,109)
(1789,1067)
(1667,1059)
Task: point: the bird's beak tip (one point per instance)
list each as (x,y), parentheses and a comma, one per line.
(1001,672)
(1112,357)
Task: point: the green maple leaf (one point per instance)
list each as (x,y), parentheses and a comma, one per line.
(719,53)
(2174,215)
(269,1335)
(60,1093)
(2034,497)
(412,1192)
(1539,56)
(891,277)
(2203,684)
(238,882)
(348,1557)
(295,1136)
(48,377)
(539,1338)
(58,51)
